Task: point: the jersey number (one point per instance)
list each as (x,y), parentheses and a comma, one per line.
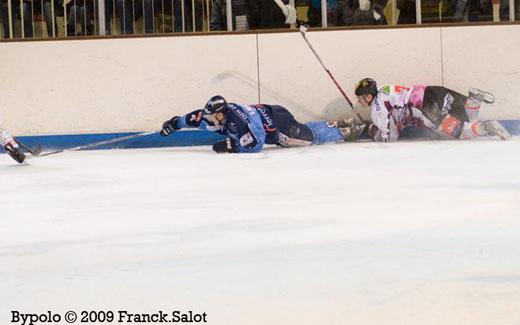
(399,89)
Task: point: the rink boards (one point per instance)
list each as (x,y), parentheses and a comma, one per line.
(179,138)
(129,85)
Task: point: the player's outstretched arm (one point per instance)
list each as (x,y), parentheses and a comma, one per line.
(194,119)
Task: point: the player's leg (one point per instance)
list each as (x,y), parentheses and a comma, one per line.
(484,128)
(440,102)
(491,127)
(457,116)
(10,146)
(324,133)
(337,131)
(475,99)
(348,128)
(291,132)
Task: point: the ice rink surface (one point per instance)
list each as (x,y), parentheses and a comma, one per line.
(363,233)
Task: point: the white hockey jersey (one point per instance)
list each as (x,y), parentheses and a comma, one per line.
(396,108)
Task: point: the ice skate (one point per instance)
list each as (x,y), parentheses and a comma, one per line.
(14,151)
(352,133)
(342,123)
(481,95)
(494,128)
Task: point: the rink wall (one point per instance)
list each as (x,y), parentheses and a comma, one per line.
(117,86)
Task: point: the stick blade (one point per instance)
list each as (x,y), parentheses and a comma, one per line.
(37,151)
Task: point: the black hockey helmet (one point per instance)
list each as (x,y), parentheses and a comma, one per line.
(215,105)
(366,86)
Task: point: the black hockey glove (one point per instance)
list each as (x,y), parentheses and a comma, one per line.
(224,146)
(15,152)
(371,129)
(170,126)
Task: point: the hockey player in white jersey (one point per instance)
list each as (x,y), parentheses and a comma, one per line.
(10,145)
(395,108)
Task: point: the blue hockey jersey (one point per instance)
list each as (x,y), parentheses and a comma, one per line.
(242,125)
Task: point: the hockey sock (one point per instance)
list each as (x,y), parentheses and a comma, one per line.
(472,129)
(472,108)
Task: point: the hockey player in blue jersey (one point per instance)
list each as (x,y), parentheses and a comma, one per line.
(248,127)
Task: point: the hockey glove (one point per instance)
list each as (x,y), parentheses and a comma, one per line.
(224,146)
(371,130)
(170,126)
(14,151)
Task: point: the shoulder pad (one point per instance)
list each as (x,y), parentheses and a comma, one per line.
(238,111)
(386,89)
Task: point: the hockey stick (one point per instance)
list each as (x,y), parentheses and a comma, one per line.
(97,144)
(36,152)
(303,30)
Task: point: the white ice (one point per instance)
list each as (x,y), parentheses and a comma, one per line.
(364,233)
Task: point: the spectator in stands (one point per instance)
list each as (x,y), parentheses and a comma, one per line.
(271,15)
(471,9)
(314,12)
(369,14)
(81,16)
(78,17)
(245,14)
(517,9)
(188,15)
(407,12)
(359,12)
(165,8)
(127,9)
(50,15)
(249,14)
(16,13)
(343,13)
(109,10)
(76,12)
(479,10)
(504,10)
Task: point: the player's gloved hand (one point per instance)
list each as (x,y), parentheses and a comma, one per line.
(170,126)
(380,137)
(224,146)
(14,151)
(371,129)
